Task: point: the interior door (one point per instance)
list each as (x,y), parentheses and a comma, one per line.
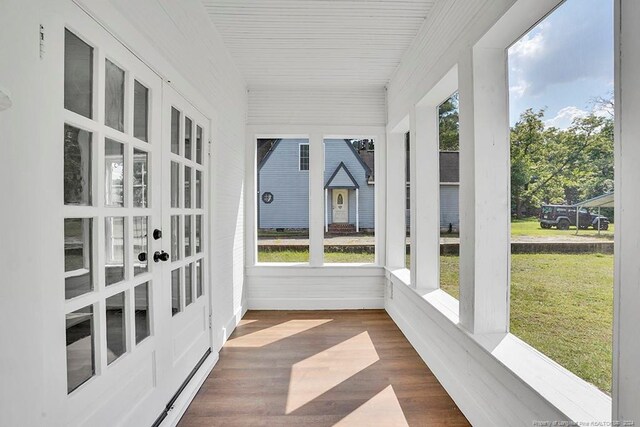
(340,206)
(185,156)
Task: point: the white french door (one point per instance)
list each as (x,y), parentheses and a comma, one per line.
(184,213)
(135,302)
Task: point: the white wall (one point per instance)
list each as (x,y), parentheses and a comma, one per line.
(175,39)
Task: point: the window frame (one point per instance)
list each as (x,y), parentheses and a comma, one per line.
(300,158)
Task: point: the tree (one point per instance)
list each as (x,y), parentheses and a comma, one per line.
(449,124)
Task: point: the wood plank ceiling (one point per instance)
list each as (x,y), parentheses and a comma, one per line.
(343,43)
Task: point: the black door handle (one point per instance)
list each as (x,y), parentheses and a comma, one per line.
(160,256)
(142,256)
(157,234)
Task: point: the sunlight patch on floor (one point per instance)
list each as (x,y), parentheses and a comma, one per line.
(323,371)
(275,333)
(383,409)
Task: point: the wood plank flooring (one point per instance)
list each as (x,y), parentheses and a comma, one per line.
(320,368)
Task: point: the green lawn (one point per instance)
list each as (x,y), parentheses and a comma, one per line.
(561,304)
(531,227)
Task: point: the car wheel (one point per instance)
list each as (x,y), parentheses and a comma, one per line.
(563,224)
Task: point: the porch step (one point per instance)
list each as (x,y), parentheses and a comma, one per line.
(342,228)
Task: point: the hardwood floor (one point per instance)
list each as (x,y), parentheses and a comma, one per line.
(320,368)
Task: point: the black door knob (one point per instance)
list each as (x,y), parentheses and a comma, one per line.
(142,256)
(160,256)
(157,234)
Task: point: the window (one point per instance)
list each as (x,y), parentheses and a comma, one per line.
(114,96)
(282,218)
(78,75)
(449,160)
(80,347)
(350,198)
(407,216)
(141,111)
(304,157)
(561,151)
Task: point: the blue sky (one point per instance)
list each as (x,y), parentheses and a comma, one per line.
(563,62)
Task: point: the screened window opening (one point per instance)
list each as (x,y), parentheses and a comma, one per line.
(349,193)
(283,200)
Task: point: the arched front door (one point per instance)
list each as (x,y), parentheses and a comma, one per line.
(340,206)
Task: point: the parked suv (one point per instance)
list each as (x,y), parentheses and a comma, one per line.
(562,216)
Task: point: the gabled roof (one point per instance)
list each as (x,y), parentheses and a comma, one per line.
(367,169)
(268,154)
(342,178)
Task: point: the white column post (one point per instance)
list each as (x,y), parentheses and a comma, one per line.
(396,240)
(485,190)
(316,215)
(426,199)
(357,210)
(626,294)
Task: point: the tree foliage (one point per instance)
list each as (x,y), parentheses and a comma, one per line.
(559,166)
(449,124)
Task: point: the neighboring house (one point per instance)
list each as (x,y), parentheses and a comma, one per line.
(283,186)
(449,191)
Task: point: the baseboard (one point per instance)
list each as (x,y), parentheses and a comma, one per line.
(186,397)
(315,303)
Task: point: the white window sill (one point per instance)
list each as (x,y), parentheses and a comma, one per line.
(570,394)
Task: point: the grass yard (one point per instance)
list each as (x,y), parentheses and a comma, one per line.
(303,256)
(561,304)
(531,227)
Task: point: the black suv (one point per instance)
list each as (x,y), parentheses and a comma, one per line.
(562,216)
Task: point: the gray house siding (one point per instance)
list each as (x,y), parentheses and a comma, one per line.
(449,206)
(279,175)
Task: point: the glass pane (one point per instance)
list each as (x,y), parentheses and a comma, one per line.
(140,111)
(77,257)
(198,233)
(199,276)
(187,236)
(80,347)
(199,144)
(188,285)
(78,75)
(116,327)
(304,157)
(140,245)
(140,179)
(77,166)
(188,129)
(175,131)
(114,173)
(187,187)
(198,189)
(175,292)
(175,237)
(175,185)
(114,96)
(114,250)
(283,201)
(349,210)
(143,321)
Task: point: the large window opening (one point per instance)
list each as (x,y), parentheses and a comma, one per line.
(283,199)
(562,231)
(349,194)
(449,166)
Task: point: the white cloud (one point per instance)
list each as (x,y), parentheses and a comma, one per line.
(565,116)
(531,45)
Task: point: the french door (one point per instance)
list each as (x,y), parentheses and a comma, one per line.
(135,215)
